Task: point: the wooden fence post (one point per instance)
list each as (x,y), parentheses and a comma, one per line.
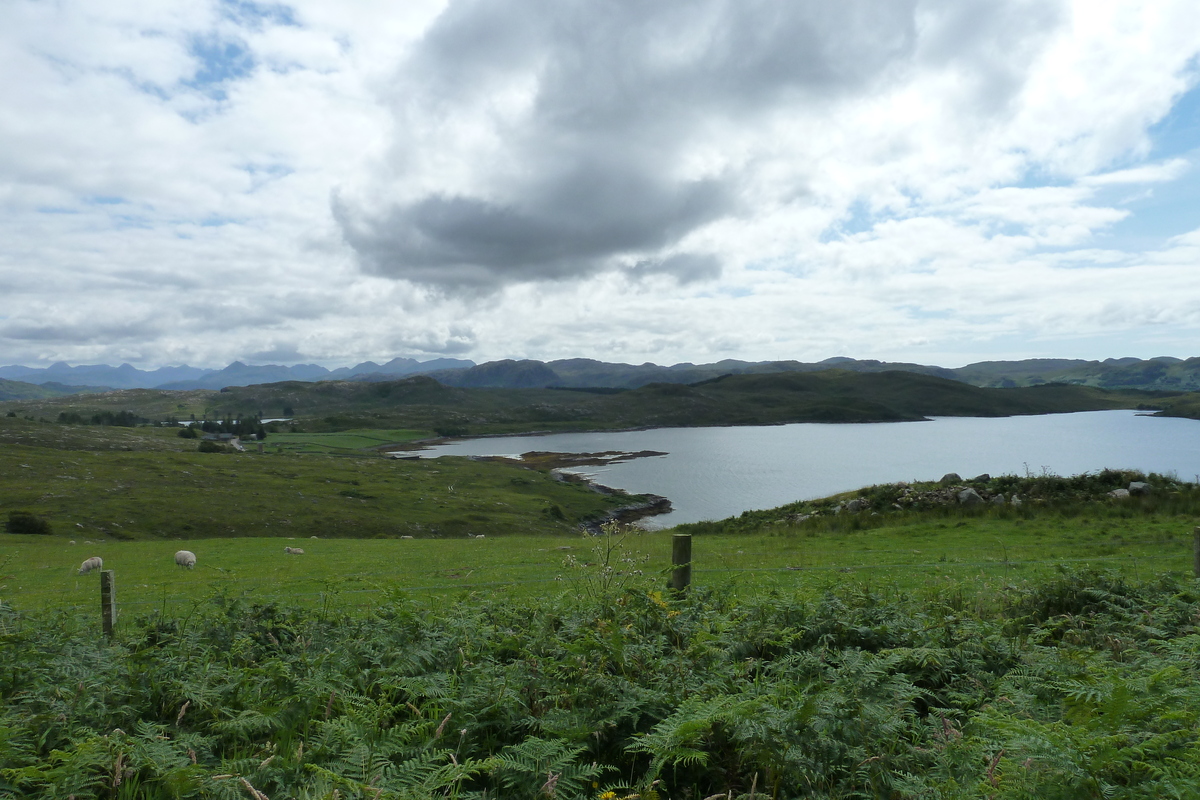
(108,601)
(1196,552)
(681,561)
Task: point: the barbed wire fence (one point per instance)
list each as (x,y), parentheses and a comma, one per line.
(709,570)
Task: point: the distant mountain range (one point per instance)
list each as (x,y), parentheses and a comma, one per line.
(1164,373)
(236,374)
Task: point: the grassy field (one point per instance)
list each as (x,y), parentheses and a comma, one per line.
(92,482)
(984,553)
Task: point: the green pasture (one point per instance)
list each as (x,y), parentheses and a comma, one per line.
(342,441)
(90,482)
(981,555)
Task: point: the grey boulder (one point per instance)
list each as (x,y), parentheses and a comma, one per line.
(969,497)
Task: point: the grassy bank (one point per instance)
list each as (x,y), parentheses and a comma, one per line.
(984,551)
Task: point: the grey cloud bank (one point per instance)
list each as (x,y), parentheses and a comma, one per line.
(596,118)
(929,181)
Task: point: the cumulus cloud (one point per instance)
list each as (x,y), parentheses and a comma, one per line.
(555,140)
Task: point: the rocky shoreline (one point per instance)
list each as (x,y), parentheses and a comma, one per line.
(627,515)
(557,464)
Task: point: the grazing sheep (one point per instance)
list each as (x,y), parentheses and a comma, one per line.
(293,551)
(95,562)
(185,558)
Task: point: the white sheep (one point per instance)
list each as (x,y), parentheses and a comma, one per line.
(185,558)
(294,551)
(95,562)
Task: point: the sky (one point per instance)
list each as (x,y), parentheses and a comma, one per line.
(934,181)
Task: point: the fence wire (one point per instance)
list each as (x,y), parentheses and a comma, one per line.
(384,585)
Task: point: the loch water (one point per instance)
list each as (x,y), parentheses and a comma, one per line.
(712,473)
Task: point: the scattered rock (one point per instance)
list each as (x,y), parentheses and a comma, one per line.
(998,500)
(1016,500)
(1119,494)
(856,505)
(950,477)
(1139,488)
(969,497)
(984,478)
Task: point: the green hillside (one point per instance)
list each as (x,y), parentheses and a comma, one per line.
(422,404)
(18,390)
(118,483)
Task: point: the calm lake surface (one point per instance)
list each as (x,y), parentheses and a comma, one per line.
(712,473)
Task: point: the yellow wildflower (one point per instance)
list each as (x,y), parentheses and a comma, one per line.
(657,598)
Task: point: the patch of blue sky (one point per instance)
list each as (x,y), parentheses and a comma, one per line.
(56,210)
(257,15)
(1157,213)
(104,200)
(1178,133)
(128,221)
(221,60)
(858,219)
(263,174)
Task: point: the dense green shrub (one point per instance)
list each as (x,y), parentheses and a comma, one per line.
(209,446)
(25,522)
(1085,686)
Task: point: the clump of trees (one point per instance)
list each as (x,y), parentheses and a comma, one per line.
(121,419)
(244,425)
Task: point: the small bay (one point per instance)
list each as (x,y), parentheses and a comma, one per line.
(712,473)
